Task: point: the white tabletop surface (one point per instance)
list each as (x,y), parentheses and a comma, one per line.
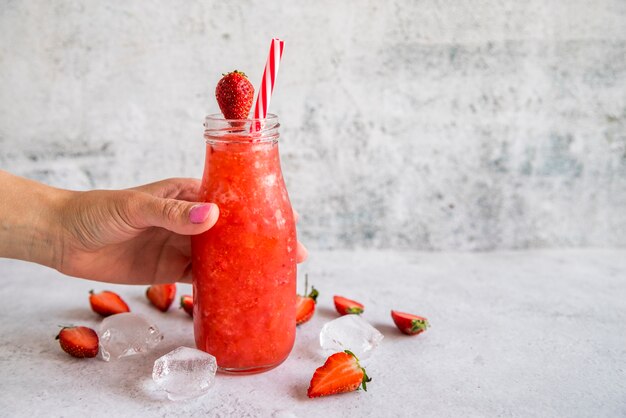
(533,333)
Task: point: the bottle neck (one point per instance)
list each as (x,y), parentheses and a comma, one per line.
(219,130)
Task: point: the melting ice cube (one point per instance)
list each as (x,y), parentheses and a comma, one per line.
(350,332)
(127,334)
(185,373)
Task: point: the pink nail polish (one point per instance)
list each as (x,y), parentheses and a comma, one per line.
(199,213)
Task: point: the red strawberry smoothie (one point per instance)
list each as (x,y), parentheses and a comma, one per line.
(244,268)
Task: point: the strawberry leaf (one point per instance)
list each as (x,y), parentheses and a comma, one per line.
(314,294)
(366,379)
(354,310)
(419,325)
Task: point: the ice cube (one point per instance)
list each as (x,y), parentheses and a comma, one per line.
(185,373)
(127,334)
(350,332)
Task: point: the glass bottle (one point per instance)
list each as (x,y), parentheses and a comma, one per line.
(244,268)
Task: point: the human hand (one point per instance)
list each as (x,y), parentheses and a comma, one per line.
(136,236)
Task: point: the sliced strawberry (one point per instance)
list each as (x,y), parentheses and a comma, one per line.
(305,305)
(186,302)
(78,342)
(346,306)
(162,295)
(107,303)
(408,323)
(341,373)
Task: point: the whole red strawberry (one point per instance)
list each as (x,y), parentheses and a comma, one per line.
(341,373)
(107,303)
(234,94)
(186,302)
(161,295)
(81,342)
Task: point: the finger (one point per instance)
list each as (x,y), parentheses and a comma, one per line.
(301,253)
(179,216)
(174,188)
(186,277)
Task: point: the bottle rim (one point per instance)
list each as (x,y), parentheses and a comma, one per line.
(217,129)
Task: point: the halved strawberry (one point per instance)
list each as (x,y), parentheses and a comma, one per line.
(347,306)
(186,302)
(408,323)
(341,373)
(107,303)
(162,295)
(81,342)
(305,305)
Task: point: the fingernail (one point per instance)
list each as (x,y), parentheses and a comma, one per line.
(199,213)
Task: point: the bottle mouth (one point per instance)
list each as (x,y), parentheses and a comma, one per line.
(218,129)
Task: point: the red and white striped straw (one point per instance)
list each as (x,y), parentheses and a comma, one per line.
(267,83)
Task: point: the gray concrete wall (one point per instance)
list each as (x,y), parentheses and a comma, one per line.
(406,124)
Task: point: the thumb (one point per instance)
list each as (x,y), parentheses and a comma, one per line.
(179,216)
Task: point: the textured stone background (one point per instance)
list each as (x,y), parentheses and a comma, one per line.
(406,124)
